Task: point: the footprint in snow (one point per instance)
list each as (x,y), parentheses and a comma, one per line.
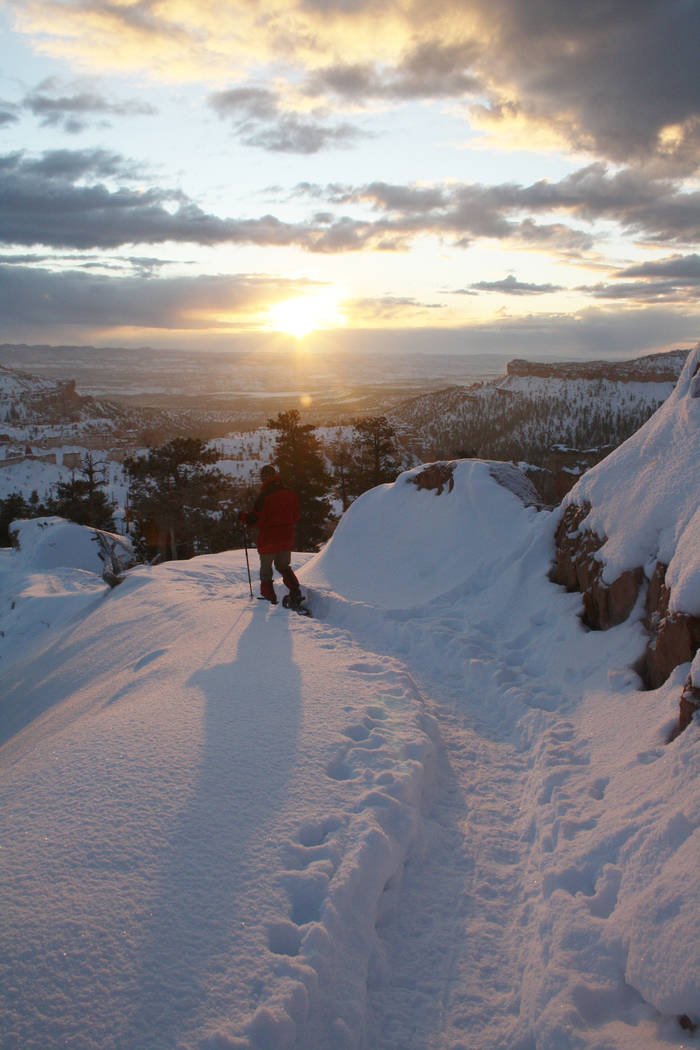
(367,668)
(357,733)
(307,892)
(316,832)
(598,788)
(284,938)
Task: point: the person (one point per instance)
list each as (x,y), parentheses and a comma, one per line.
(275,513)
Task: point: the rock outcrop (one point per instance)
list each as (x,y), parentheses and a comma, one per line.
(577,568)
(657,368)
(630,530)
(674,637)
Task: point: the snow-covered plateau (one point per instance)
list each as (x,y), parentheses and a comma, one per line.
(440,815)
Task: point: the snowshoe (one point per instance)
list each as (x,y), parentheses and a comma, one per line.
(295,602)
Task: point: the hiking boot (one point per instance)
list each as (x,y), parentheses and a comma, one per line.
(292,584)
(267,591)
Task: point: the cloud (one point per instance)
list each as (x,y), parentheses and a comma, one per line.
(75,111)
(510,286)
(387,308)
(430,70)
(675,279)
(259,119)
(618,79)
(654,209)
(35,297)
(684,269)
(68,199)
(45,201)
(8,114)
(70,165)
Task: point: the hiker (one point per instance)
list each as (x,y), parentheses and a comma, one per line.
(275,513)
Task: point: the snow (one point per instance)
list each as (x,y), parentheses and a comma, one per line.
(645,496)
(51,542)
(439,815)
(401,546)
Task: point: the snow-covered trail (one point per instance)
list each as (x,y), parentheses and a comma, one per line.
(513,842)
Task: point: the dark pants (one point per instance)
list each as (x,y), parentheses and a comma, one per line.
(281,560)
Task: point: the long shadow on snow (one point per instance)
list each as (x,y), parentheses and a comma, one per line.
(204,913)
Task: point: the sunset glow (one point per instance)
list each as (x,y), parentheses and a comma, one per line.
(309,313)
(504,183)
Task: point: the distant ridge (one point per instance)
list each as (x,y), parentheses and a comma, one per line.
(656,368)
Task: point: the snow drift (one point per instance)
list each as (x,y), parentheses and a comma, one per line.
(404,544)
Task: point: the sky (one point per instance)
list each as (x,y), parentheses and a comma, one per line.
(506,176)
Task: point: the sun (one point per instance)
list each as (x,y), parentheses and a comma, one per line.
(305,314)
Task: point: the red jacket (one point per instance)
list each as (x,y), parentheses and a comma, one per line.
(276,514)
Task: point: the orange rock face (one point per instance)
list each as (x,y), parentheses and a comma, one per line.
(674,638)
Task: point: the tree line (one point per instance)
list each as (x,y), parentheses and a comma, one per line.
(180,504)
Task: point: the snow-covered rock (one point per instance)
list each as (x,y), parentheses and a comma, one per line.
(52,543)
(635,518)
(431,531)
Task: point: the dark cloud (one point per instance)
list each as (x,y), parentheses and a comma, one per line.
(259,119)
(511,286)
(431,70)
(675,279)
(40,297)
(60,199)
(640,291)
(71,165)
(8,114)
(246,103)
(684,269)
(41,204)
(653,209)
(77,109)
(617,78)
(292,134)
(624,70)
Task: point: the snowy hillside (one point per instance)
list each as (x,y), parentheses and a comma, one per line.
(535,407)
(30,400)
(657,470)
(439,814)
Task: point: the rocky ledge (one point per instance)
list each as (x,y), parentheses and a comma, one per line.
(655,368)
(674,638)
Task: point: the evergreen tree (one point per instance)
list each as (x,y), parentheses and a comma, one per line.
(12,508)
(302,466)
(83,499)
(375,455)
(179,504)
(340,453)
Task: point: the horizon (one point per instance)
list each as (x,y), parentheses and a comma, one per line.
(484,179)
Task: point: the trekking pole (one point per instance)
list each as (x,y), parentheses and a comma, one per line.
(247,563)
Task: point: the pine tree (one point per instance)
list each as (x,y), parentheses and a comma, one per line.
(375,454)
(83,499)
(299,459)
(12,508)
(177,500)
